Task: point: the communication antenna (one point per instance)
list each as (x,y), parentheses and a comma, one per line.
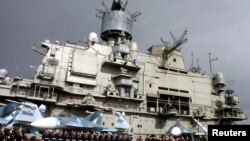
(16,69)
(230,83)
(210,62)
(198,66)
(192,62)
(64,32)
(7,62)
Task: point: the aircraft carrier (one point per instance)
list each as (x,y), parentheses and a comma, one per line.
(154,89)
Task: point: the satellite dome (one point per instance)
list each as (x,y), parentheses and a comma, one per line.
(134,46)
(3,72)
(7,79)
(93,37)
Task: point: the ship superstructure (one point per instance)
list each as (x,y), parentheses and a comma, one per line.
(154,89)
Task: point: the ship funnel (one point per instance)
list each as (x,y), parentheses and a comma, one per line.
(116,22)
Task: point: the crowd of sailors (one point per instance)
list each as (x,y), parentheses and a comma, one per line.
(17,134)
(12,134)
(78,135)
(165,138)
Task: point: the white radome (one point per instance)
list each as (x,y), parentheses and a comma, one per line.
(134,46)
(3,72)
(93,37)
(49,122)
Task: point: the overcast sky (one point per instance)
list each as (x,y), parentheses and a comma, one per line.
(221,27)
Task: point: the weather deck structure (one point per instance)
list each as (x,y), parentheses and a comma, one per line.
(154,89)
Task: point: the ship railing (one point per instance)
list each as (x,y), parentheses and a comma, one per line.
(82,102)
(66,43)
(19,91)
(124,107)
(232,113)
(161,110)
(31,94)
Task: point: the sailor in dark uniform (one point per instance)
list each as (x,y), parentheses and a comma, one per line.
(108,137)
(66,136)
(2,132)
(53,135)
(97,136)
(73,136)
(92,136)
(59,136)
(79,136)
(46,135)
(118,137)
(102,137)
(18,134)
(124,137)
(113,136)
(10,135)
(84,136)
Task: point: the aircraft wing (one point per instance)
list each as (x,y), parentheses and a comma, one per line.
(74,121)
(109,130)
(79,123)
(200,134)
(3,121)
(177,128)
(120,121)
(201,126)
(74,124)
(69,120)
(19,112)
(95,118)
(8,109)
(28,113)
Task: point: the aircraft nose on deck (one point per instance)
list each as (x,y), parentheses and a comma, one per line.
(50,122)
(176,131)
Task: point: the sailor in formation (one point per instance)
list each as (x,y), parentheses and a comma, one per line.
(77,135)
(11,134)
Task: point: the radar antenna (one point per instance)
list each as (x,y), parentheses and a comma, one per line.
(192,68)
(198,65)
(230,84)
(105,6)
(117,23)
(118,5)
(210,62)
(169,48)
